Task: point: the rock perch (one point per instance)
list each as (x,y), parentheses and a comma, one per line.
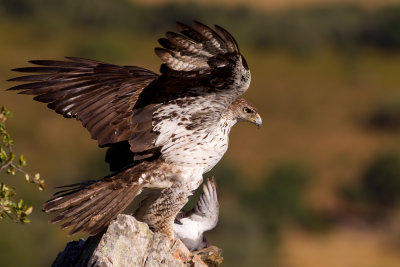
(128,242)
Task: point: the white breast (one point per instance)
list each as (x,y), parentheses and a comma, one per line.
(204,149)
(202,145)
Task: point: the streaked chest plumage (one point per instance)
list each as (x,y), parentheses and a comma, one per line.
(196,137)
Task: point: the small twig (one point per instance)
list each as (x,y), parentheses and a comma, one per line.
(4,211)
(10,217)
(6,165)
(20,170)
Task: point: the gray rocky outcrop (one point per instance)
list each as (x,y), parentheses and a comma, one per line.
(128,242)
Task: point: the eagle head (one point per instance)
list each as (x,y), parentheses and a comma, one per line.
(244,111)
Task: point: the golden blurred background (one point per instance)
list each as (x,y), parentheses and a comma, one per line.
(317,185)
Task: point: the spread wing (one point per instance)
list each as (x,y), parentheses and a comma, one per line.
(206,211)
(100,95)
(205,57)
(208,206)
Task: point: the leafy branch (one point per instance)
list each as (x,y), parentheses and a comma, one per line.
(17,211)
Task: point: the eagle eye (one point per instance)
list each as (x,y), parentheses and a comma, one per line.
(247,110)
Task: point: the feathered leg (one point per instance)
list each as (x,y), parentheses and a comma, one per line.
(161,213)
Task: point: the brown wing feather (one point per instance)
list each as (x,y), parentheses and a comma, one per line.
(100,95)
(205,57)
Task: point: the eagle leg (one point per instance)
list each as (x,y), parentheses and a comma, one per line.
(161,213)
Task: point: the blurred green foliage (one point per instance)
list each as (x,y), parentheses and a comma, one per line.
(378,189)
(386,115)
(300,29)
(17,211)
(381,180)
(280,201)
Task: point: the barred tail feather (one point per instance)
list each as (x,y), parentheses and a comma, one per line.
(90,206)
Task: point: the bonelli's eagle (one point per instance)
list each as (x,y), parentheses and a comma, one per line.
(163,131)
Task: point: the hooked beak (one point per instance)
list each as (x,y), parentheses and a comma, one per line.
(257,120)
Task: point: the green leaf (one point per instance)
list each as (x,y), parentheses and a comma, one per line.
(20,203)
(29,210)
(22,160)
(25,220)
(3,154)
